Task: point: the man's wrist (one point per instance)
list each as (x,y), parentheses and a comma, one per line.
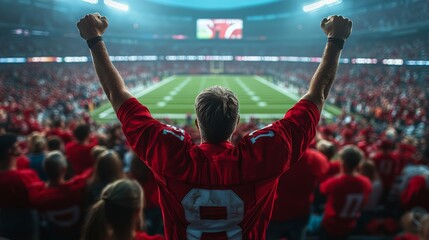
(93,41)
(337,42)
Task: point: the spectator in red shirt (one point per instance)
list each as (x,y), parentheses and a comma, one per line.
(294,196)
(387,166)
(60,201)
(78,151)
(16,220)
(346,194)
(118,214)
(215,189)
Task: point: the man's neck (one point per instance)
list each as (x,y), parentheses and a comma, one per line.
(8,165)
(56,183)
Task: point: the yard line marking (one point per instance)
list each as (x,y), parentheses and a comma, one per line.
(287,93)
(139,94)
(176,90)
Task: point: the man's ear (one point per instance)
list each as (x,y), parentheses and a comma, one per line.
(238,119)
(196,124)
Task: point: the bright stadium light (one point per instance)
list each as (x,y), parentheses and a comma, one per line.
(317,5)
(313,6)
(91,1)
(117,5)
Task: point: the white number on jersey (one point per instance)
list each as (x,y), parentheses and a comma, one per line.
(351,209)
(177,132)
(259,133)
(228,209)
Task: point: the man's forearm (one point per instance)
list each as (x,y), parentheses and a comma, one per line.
(324,76)
(110,79)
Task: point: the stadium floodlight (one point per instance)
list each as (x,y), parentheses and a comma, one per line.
(117,5)
(91,1)
(317,5)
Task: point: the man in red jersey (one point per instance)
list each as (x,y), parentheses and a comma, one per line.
(60,201)
(387,166)
(346,194)
(78,151)
(17,221)
(292,206)
(216,190)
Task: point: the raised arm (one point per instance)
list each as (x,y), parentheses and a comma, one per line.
(90,27)
(337,29)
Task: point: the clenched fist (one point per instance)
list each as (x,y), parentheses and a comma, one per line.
(337,27)
(92,25)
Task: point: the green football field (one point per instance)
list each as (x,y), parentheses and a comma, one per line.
(174,97)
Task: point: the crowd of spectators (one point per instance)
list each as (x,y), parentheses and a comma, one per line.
(65,159)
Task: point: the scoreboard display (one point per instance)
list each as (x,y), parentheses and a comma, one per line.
(219,29)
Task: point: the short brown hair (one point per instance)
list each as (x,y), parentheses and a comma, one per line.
(217,113)
(351,156)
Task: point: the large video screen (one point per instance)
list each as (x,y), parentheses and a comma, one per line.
(219,29)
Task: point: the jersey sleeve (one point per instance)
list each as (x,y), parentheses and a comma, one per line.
(162,147)
(274,148)
(299,126)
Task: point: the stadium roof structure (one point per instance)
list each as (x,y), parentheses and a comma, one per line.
(215,4)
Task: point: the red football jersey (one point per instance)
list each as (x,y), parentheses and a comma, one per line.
(218,191)
(416,193)
(387,166)
(295,189)
(79,156)
(14,186)
(61,205)
(346,196)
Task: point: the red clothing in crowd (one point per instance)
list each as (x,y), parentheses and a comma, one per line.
(144,236)
(79,156)
(218,191)
(407,236)
(346,196)
(295,189)
(387,166)
(61,205)
(14,185)
(65,135)
(22,162)
(416,193)
(333,170)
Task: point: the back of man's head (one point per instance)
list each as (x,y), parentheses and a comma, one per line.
(217,113)
(81,133)
(7,142)
(55,165)
(351,156)
(327,148)
(55,143)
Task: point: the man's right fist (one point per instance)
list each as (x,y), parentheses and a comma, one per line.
(337,27)
(92,25)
